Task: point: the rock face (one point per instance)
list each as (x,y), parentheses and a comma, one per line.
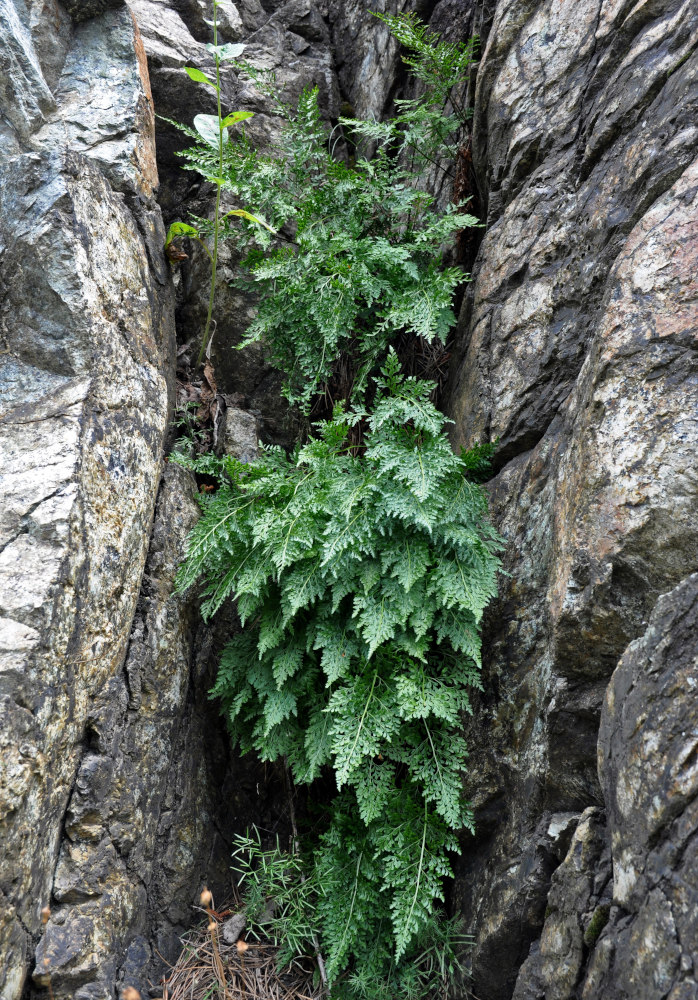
(649,775)
(622,912)
(88,338)
(576,348)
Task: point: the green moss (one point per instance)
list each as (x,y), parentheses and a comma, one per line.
(596,925)
(681,61)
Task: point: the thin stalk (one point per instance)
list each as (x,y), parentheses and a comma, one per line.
(214,256)
(420,869)
(295,850)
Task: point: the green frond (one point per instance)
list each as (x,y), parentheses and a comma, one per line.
(362,562)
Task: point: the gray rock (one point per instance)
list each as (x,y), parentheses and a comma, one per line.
(51,29)
(241,434)
(83,10)
(104,103)
(569,158)
(233,928)
(111,862)
(575,349)
(576,903)
(85,328)
(647,763)
(25,97)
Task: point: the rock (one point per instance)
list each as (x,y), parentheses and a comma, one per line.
(647,764)
(87,327)
(569,159)
(576,348)
(83,10)
(368,62)
(104,104)
(128,799)
(233,927)
(241,435)
(26,97)
(577,900)
(82,431)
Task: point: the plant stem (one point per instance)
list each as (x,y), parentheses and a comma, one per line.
(214,256)
(295,850)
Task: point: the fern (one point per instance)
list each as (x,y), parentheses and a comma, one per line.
(363,887)
(362,562)
(358,263)
(441,66)
(362,578)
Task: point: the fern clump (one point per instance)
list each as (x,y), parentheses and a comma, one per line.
(362,562)
(361,575)
(354,243)
(289,898)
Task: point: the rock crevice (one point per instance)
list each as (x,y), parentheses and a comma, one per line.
(575,348)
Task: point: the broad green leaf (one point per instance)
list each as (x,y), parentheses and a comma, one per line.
(250,218)
(208,127)
(199,77)
(227,52)
(237,116)
(180,229)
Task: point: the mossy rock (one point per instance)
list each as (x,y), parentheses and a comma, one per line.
(597,923)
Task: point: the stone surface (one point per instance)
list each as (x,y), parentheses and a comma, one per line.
(141,825)
(26,97)
(85,406)
(87,326)
(83,10)
(241,434)
(578,896)
(647,764)
(622,915)
(572,143)
(104,104)
(577,349)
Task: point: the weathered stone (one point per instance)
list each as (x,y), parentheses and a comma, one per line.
(87,329)
(368,62)
(241,435)
(81,458)
(233,928)
(577,349)
(647,763)
(105,107)
(110,864)
(83,10)
(25,97)
(52,33)
(572,144)
(555,964)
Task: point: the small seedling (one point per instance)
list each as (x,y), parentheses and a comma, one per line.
(213,129)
